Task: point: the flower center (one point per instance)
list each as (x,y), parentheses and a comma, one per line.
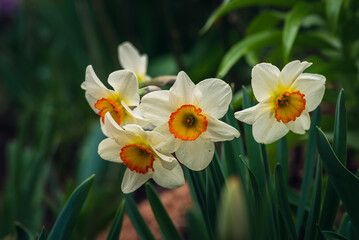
(115,108)
(137,158)
(187,123)
(289,106)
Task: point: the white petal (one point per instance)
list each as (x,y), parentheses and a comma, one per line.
(93,86)
(110,150)
(132,180)
(155,137)
(91,100)
(167,160)
(301,123)
(131,59)
(313,87)
(213,96)
(218,131)
(265,80)
(168,178)
(196,155)
(183,88)
(125,83)
(103,128)
(266,129)
(155,106)
(113,130)
(134,118)
(249,115)
(135,129)
(291,71)
(171,144)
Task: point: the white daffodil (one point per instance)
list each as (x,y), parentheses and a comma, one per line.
(130,59)
(117,102)
(187,115)
(137,149)
(285,99)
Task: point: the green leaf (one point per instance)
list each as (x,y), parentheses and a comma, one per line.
(264,21)
(42,235)
(66,221)
(197,227)
(284,208)
(332,235)
(331,200)
(257,195)
(340,129)
(137,221)
(216,168)
(246,45)
(332,10)
(282,157)
(197,189)
(164,221)
(344,225)
(344,182)
(211,202)
(313,218)
(228,6)
(22,233)
(232,149)
(309,164)
(292,24)
(115,230)
(255,156)
(90,162)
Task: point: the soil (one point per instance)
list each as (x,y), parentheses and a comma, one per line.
(176,201)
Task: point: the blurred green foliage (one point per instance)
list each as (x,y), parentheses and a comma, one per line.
(49,135)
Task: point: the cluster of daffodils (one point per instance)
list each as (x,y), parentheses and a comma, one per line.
(153,135)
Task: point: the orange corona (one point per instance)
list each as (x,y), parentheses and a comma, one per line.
(105,105)
(137,158)
(289,106)
(187,123)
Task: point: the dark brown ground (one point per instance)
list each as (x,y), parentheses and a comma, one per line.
(176,201)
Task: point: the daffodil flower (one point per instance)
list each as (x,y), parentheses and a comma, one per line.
(131,59)
(285,99)
(187,115)
(137,149)
(117,102)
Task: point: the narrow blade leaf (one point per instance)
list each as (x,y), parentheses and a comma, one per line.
(42,235)
(292,24)
(137,221)
(332,235)
(255,156)
(164,221)
(344,182)
(66,221)
(115,230)
(313,218)
(332,9)
(229,6)
(22,233)
(232,149)
(249,43)
(282,157)
(284,208)
(331,200)
(308,170)
(197,227)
